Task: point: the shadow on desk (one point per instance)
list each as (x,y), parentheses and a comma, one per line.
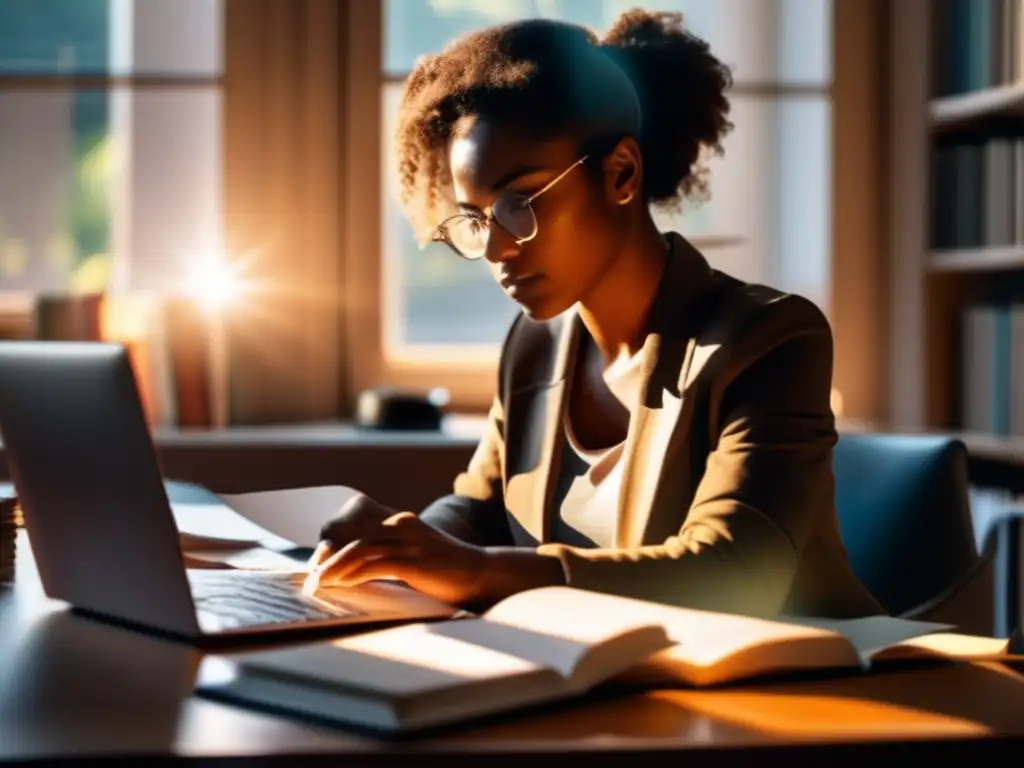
(926,701)
(108,684)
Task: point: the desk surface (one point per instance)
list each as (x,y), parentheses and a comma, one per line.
(71,686)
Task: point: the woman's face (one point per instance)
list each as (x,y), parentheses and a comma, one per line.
(579,227)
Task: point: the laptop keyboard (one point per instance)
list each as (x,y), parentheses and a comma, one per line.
(237,599)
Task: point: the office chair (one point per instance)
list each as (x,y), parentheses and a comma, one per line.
(904,514)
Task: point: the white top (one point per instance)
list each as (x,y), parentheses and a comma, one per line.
(590,480)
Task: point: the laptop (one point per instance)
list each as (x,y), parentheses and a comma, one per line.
(100,525)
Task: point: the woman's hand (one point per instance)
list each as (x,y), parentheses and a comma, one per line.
(370,541)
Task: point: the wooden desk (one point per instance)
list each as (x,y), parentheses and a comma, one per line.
(73,687)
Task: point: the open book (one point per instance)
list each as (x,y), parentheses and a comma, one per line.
(550,644)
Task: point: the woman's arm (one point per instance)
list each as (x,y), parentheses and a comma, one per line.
(475,512)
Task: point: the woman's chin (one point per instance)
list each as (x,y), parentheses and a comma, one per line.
(540,309)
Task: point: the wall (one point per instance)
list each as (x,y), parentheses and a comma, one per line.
(405,474)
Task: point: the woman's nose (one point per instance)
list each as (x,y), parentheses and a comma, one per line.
(501,245)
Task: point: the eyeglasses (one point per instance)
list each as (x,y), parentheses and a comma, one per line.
(468,233)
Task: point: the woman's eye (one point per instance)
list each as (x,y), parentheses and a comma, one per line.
(519,199)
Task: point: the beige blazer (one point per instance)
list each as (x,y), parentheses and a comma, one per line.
(727,493)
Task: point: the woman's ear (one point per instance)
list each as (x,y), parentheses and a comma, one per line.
(623,172)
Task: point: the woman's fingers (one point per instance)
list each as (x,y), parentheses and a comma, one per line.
(360,518)
(336,568)
(389,543)
(384,568)
(322,552)
(399,519)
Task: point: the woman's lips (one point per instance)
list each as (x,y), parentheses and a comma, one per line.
(517,286)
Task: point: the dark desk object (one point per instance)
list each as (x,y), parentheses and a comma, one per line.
(385,408)
(71,688)
(904,513)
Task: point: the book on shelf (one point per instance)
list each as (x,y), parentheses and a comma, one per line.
(552,644)
(992,369)
(977,192)
(976,44)
(977,176)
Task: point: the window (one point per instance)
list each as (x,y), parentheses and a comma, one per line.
(767,220)
(109,142)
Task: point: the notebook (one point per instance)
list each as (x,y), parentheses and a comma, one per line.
(550,644)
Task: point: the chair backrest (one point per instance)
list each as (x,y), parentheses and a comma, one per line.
(904,514)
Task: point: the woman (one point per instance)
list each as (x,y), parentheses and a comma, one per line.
(661,430)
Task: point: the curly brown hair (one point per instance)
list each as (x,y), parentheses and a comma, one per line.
(554,78)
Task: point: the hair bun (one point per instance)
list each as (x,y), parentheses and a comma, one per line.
(638,27)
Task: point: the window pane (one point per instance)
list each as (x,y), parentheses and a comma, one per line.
(435,299)
(771,190)
(785,41)
(803,219)
(165,185)
(89,178)
(119,37)
(44,36)
(431,296)
(54,203)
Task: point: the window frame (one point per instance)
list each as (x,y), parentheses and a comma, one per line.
(471,379)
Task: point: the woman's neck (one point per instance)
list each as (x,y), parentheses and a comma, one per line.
(615,310)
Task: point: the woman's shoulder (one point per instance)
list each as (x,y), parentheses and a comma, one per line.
(744,306)
(748,323)
(724,300)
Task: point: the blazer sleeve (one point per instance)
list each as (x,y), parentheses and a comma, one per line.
(765,482)
(475,511)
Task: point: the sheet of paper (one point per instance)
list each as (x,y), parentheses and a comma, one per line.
(217,526)
(295,514)
(253,559)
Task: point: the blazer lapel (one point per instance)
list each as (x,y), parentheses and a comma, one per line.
(654,421)
(663,407)
(530,488)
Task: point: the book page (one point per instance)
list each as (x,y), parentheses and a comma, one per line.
(711,648)
(945,645)
(706,636)
(561,626)
(706,645)
(870,634)
(294,514)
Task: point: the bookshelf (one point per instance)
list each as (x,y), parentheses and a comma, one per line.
(956,229)
(992,258)
(948,113)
